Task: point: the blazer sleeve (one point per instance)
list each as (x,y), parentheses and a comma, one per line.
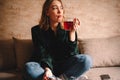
(71,47)
(40,53)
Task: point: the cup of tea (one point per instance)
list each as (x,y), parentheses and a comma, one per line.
(68,24)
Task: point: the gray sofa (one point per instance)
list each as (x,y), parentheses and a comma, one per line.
(105,53)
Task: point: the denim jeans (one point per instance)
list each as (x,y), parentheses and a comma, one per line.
(73,67)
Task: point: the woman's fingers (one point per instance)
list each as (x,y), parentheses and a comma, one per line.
(76,23)
(47,74)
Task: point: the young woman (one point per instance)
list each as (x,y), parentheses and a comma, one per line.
(56,52)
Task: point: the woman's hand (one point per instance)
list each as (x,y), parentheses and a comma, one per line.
(76,25)
(47,74)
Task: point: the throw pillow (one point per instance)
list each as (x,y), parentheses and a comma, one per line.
(7,55)
(23,50)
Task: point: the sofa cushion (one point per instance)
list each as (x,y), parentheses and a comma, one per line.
(23,50)
(104,52)
(7,56)
(7,76)
(11,74)
(113,72)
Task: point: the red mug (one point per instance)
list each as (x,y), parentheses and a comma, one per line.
(68,25)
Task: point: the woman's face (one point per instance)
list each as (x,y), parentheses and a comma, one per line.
(55,12)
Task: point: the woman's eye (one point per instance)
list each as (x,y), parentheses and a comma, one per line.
(54,8)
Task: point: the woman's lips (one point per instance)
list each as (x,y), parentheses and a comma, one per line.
(59,16)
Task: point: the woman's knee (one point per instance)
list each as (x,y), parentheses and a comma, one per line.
(34,69)
(32,64)
(85,60)
(88,61)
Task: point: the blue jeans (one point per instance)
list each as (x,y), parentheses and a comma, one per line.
(73,67)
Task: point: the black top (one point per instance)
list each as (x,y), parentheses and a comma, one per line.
(52,48)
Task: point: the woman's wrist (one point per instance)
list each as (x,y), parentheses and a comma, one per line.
(72,36)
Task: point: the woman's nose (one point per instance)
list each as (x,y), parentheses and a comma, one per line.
(59,10)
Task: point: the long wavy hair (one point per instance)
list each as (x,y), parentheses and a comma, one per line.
(45,21)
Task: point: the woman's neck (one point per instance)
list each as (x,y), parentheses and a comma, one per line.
(54,26)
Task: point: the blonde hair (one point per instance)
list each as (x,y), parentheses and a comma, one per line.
(45,21)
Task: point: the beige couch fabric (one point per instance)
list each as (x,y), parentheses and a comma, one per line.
(23,51)
(113,72)
(11,75)
(104,51)
(7,55)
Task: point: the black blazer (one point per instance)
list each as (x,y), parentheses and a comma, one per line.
(51,48)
